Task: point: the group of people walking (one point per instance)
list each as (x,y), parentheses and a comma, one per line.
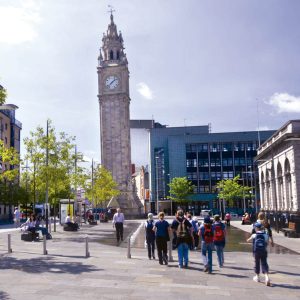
(187,234)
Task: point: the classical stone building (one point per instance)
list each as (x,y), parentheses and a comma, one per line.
(114,100)
(278,161)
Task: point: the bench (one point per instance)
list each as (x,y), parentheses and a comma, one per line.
(92,222)
(290,231)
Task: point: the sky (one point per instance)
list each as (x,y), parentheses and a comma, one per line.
(231,63)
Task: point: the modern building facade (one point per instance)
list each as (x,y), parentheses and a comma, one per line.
(204,158)
(10,134)
(114,101)
(278,162)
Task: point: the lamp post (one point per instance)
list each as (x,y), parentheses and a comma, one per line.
(156,168)
(47,179)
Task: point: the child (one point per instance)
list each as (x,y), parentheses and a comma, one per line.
(260,241)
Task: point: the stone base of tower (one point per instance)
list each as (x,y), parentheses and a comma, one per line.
(130,205)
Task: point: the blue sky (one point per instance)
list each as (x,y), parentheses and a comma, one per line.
(230,63)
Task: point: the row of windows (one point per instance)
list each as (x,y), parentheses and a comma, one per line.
(222,147)
(216,162)
(205,189)
(212,176)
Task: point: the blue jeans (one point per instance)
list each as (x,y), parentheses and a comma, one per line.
(207,255)
(183,254)
(220,254)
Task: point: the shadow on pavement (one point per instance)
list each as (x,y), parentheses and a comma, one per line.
(286,286)
(4,296)
(41,265)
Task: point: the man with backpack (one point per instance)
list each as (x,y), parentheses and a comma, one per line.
(260,241)
(219,239)
(182,230)
(206,232)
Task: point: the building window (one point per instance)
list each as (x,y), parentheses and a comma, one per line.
(215,175)
(118,54)
(215,147)
(191,163)
(203,189)
(192,176)
(228,175)
(227,162)
(6,126)
(203,162)
(203,175)
(191,148)
(239,146)
(227,147)
(202,147)
(215,162)
(111,55)
(5,139)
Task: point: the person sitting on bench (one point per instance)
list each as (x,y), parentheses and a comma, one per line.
(44,230)
(69,223)
(30,223)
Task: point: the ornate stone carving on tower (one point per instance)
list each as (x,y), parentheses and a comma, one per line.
(114,100)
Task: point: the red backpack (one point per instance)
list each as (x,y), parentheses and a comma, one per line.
(219,235)
(208,234)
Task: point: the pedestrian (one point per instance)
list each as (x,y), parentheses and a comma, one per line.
(219,239)
(150,236)
(206,233)
(260,241)
(183,229)
(261,218)
(189,218)
(17,217)
(195,225)
(161,229)
(118,221)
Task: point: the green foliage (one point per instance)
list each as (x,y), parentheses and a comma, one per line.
(60,171)
(10,162)
(230,190)
(180,189)
(3,95)
(102,188)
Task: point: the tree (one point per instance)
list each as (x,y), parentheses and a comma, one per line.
(180,190)
(59,171)
(231,191)
(3,95)
(102,188)
(10,160)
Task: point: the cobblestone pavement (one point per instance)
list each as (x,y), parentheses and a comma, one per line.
(108,274)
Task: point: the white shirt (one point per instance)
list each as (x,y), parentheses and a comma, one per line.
(17,214)
(118,218)
(68,219)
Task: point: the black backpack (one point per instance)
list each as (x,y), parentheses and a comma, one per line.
(259,244)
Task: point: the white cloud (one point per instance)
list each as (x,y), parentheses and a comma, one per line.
(284,102)
(144,90)
(19,24)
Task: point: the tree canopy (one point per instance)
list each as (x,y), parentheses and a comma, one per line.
(230,190)
(102,187)
(180,189)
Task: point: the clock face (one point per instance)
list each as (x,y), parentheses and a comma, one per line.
(112,82)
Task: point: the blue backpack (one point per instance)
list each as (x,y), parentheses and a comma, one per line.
(259,244)
(149,228)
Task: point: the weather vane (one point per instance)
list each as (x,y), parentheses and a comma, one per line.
(111,9)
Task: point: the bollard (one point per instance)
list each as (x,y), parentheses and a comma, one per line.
(49,229)
(128,248)
(87,253)
(9,250)
(170,251)
(45,252)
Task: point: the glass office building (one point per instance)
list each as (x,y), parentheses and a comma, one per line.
(204,158)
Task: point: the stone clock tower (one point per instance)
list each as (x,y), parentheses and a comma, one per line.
(114,100)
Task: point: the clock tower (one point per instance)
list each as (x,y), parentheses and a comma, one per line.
(114,100)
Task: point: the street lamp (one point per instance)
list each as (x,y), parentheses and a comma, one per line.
(157,194)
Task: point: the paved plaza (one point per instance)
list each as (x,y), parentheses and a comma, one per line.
(65,273)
